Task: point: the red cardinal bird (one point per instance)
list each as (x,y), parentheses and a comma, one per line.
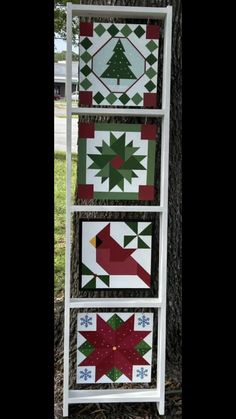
(114,259)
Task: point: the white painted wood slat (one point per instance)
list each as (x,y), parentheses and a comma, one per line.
(121,395)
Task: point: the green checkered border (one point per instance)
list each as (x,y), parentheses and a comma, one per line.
(121,99)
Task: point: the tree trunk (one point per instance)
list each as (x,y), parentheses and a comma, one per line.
(174,285)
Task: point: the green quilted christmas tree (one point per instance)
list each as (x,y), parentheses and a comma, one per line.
(118,65)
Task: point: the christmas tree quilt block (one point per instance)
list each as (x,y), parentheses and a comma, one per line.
(114,347)
(116,161)
(115,254)
(118,64)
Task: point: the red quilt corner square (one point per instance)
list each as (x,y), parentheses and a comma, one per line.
(85,191)
(146,193)
(153,32)
(86,129)
(86,29)
(148,132)
(85,98)
(150,100)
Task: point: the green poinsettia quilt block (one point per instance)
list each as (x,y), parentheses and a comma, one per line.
(116,161)
(118,64)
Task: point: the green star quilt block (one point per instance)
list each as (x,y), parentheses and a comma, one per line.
(118,64)
(114,347)
(116,161)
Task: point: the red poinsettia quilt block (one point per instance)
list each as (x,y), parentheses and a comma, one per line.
(114,347)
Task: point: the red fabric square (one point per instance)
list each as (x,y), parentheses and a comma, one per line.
(146,192)
(150,99)
(85,191)
(148,132)
(117,162)
(86,130)
(85,98)
(86,29)
(153,32)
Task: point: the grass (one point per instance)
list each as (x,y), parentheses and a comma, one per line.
(60,217)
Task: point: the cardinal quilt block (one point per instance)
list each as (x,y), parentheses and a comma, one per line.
(116,161)
(115,254)
(114,347)
(118,64)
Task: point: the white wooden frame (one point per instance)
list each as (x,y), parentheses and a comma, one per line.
(119,395)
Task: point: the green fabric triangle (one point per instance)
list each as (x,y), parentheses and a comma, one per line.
(134,174)
(147,231)
(142,245)
(128,239)
(104,179)
(91,284)
(142,347)
(133,225)
(99,161)
(86,270)
(105,279)
(130,144)
(115,178)
(127,174)
(114,374)
(105,171)
(115,321)
(99,149)
(121,184)
(119,146)
(113,139)
(129,151)
(134,163)
(86,348)
(106,149)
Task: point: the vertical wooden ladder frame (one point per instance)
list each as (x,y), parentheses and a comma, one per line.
(120,395)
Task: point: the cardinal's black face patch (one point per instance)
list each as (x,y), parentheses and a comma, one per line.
(98,242)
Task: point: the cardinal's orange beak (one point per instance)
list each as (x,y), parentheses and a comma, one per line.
(93,241)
